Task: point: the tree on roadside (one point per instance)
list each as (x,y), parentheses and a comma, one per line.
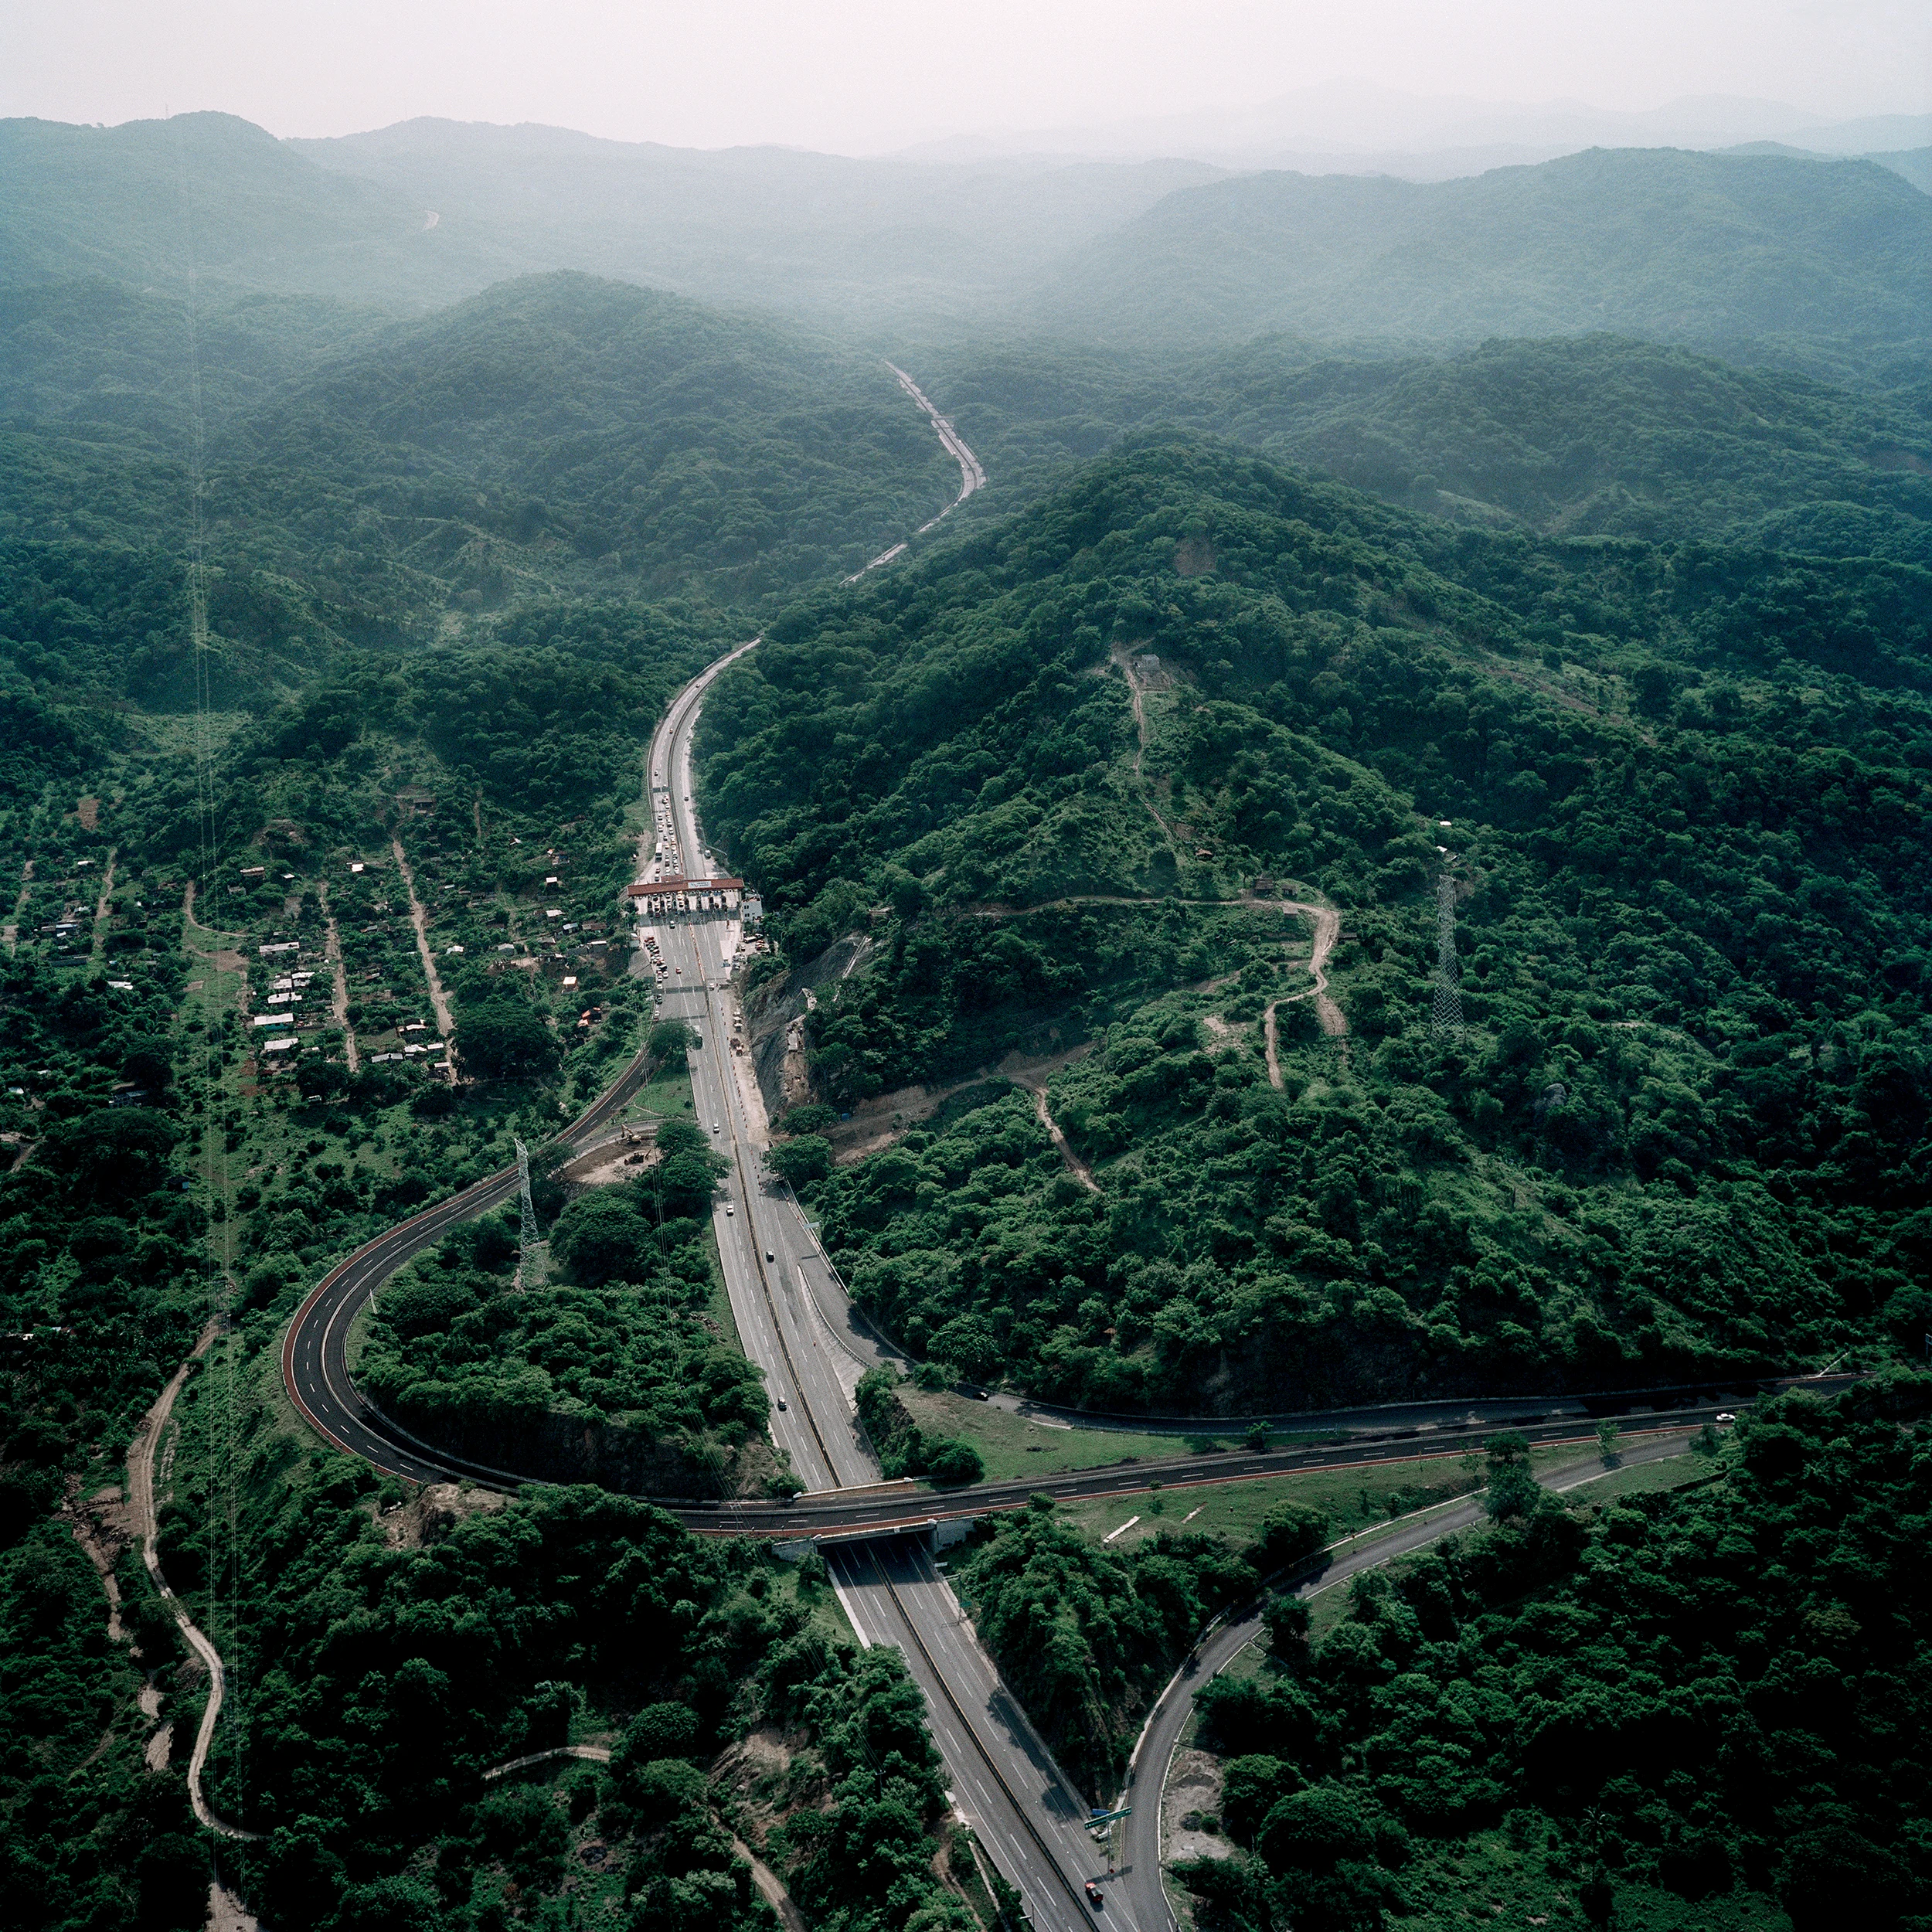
(1290,1533)
(968,1343)
(798,1162)
(669,1037)
(1513,1490)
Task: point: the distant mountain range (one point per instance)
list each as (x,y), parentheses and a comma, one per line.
(1775,257)
(1759,257)
(1355,126)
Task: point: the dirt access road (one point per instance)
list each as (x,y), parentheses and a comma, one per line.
(141,1496)
(439,1002)
(1328,1017)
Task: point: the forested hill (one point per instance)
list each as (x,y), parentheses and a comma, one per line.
(635,429)
(143,202)
(555,436)
(1802,261)
(1682,1131)
(869,241)
(427,212)
(1596,435)
(1814,265)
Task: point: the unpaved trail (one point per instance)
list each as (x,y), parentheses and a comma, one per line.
(101,1555)
(338,983)
(11,932)
(140,1497)
(1328,1016)
(103,905)
(1123,655)
(1328,929)
(213,932)
(420,921)
(1075,1165)
(878,1122)
(593,1753)
(771,1888)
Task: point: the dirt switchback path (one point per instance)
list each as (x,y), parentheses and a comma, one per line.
(1075,1165)
(878,1122)
(1123,657)
(1328,1016)
(339,985)
(420,921)
(140,1497)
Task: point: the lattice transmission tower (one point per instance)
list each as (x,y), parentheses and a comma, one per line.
(529,1261)
(1445,1019)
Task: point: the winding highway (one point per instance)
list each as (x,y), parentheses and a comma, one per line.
(795,1321)
(1003,1779)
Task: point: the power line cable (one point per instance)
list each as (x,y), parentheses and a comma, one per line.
(224,1571)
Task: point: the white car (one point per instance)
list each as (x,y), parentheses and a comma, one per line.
(731,1212)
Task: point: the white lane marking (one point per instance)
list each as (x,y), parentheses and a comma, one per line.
(834,1569)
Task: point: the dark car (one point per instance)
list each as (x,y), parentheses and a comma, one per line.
(1094,1897)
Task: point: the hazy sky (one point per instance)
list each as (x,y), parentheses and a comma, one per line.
(860,75)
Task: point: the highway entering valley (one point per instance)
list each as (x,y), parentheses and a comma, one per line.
(1003,1780)
(795,1322)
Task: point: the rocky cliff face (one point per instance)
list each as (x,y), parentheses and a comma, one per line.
(778,1017)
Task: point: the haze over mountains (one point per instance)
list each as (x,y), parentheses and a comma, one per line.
(1810,262)
(1358,126)
(1380,858)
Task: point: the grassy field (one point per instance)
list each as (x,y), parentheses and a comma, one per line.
(1013,1448)
(820,1600)
(1359,1499)
(1644,1478)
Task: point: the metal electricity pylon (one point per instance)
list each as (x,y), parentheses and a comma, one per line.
(1445,1019)
(530,1261)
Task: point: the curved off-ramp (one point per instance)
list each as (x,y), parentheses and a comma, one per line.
(1140,1877)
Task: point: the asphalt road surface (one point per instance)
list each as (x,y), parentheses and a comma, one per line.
(1003,1779)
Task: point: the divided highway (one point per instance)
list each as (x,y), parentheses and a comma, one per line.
(794,1321)
(1002,1778)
